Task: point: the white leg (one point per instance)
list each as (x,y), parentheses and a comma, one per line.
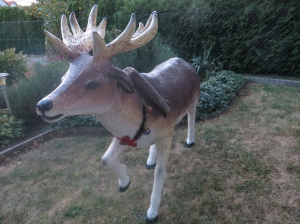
(151,161)
(163,152)
(111,161)
(191,123)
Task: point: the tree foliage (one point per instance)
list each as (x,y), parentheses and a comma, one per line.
(14,64)
(247,36)
(50,12)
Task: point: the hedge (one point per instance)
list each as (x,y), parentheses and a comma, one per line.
(257,37)
(20,31)
(260,38)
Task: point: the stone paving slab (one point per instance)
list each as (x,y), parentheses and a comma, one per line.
(278,82)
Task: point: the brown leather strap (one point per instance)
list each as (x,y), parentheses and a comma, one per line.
(142,126)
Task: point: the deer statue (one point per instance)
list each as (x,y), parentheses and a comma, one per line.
(138,109)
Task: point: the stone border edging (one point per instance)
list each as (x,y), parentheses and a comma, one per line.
(46,136)
(278,82)
(23,145)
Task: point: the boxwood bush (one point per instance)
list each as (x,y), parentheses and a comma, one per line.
(217,92)
(10,127)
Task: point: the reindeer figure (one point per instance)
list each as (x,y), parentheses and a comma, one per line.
(138,109)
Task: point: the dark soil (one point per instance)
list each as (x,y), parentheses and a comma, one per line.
(30,132)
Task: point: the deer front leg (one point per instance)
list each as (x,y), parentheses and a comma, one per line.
(163,152)
(111,161)
(151,161)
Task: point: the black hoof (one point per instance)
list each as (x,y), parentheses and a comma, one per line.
(123,189)
(149,167)
(190,145)
(152,220)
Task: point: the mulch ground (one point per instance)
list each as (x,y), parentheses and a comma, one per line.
(30,132)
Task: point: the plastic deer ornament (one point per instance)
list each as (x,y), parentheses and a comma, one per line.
(138,109)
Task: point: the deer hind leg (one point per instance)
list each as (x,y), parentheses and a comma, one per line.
(151,161)
(191,123)
(163,152)
(111,161)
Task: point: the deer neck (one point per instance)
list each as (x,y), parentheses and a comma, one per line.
(124,117)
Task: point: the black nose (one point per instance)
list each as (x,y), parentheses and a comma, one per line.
(44,105)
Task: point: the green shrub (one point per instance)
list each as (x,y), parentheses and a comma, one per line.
(145,58)
(217,92)
(25,95)
(10,127)
(205,66)
(14,64)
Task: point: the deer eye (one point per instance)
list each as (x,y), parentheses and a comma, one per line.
(92,85)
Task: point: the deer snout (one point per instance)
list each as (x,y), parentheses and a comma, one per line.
(45,105)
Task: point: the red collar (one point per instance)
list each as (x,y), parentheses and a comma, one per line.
(127,141)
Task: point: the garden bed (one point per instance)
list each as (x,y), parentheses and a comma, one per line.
(30,132)
(28,144)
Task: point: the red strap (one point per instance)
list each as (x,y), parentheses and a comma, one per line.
(127,141)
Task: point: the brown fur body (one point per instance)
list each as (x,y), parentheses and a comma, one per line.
(176,81)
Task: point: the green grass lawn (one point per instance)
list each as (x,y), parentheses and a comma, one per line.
(243,168)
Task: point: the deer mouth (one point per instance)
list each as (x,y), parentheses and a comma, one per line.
(52,119)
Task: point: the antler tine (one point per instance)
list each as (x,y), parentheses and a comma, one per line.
(74,25)
(144,36)
(65,31)
(124,37)
(102,27)
(99,47)
(149,21)
(127,40)
(116,46)
(60,45)
(141,26)
(78,43)
(92,18)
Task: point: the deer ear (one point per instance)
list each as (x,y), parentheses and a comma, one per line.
(123,79)
(125,86)
(148,91)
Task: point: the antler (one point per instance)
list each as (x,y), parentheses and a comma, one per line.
(128,40)
(73,45)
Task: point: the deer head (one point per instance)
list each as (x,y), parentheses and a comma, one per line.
(92,83)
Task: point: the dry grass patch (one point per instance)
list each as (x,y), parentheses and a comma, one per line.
(244,168)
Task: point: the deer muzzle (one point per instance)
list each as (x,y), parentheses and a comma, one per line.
(44,106)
